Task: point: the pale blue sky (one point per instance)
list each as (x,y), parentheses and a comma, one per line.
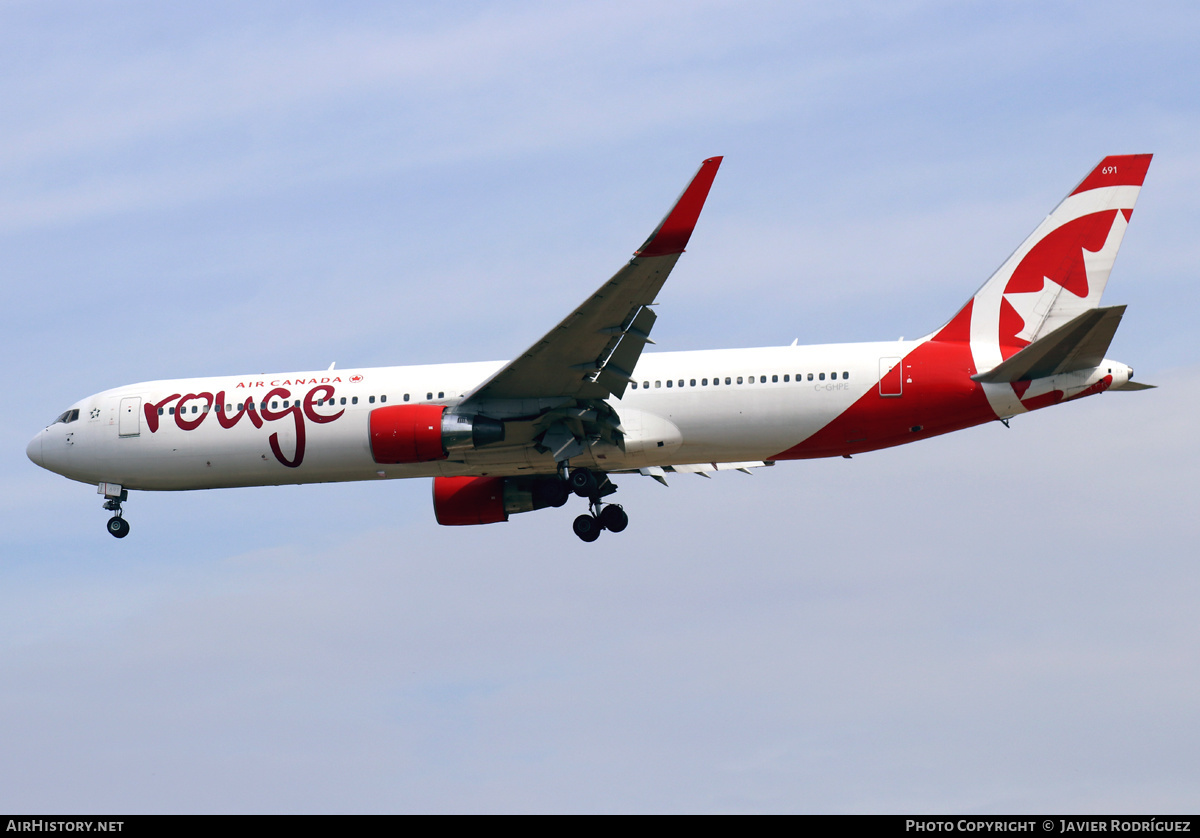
(999,620)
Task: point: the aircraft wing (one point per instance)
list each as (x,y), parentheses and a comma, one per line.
(591,353)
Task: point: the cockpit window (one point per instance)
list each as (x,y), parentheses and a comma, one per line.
(68,417)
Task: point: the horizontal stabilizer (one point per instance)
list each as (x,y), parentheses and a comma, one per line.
(1133,385)
(1079,344)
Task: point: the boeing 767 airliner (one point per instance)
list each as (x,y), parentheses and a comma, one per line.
(585,402)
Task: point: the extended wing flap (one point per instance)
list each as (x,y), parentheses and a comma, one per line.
(611,326)
(703,469)
(1080,343)
(617,369)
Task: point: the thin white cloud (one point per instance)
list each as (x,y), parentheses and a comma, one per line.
(997,620)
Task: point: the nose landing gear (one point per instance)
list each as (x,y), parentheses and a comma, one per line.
(601,516)
(118,527)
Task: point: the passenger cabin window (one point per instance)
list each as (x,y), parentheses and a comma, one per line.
(669,382)
(382,399)
(633,384)
(406,396)
(371,399)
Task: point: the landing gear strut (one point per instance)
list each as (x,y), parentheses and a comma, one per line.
(118,527)
(601,516)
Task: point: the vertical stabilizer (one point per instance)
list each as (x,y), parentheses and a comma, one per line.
(1059,271)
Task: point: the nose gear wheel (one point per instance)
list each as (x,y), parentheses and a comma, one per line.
(117,526)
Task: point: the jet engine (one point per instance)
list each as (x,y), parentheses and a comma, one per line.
(461,501)
(419,433)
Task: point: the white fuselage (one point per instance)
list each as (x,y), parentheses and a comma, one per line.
(687,407)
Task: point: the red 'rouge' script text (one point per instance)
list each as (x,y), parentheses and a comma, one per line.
(257,416)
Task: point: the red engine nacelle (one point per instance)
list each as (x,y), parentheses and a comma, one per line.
(408,433)
(419,433)
(460,501)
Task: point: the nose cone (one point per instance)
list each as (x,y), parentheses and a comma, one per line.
(34,450)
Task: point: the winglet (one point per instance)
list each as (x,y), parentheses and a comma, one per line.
(671,236)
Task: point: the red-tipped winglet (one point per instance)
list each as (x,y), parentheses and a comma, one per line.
(671,236)
(1117,170)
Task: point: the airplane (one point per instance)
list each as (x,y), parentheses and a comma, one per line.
(584,402)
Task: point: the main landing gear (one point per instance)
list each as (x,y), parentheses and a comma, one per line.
(117,526)
(601,516)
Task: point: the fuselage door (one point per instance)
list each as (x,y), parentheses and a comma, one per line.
(130,421)
(891,378)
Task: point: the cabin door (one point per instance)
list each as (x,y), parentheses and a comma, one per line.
(891,377)
(130,421)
